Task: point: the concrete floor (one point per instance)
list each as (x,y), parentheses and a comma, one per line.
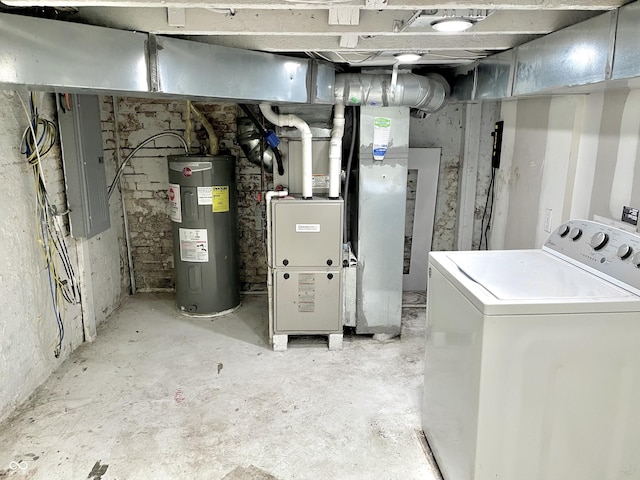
(162,396)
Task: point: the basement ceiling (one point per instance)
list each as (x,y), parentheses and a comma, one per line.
(349,33)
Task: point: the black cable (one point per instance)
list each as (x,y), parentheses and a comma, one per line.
(488,206)
(354,129)
(263,132)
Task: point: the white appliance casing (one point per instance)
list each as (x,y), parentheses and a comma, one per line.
(532,369)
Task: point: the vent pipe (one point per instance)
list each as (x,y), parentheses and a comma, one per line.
(305,133)
(414,91)
(335,151)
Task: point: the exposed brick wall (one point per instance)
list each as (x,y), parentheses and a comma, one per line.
(445,130)
(412,187)
(145,182)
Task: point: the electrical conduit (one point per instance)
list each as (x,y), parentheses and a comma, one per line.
(305,132)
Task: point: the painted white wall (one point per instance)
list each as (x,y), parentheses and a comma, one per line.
(28,330)
(502,187)
(574,155)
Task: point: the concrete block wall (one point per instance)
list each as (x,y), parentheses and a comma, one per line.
(28,327)
(146,177)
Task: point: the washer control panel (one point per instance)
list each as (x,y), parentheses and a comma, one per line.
(604,250)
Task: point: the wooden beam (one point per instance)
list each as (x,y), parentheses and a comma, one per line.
(364,4)
(274,43)
(313,22)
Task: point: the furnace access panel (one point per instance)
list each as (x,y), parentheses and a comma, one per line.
(307,233)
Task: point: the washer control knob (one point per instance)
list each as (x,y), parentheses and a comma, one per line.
(599,240)
(575,233)
(624,251)
(636,260)
(563,230)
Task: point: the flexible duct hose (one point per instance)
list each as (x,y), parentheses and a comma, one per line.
(249,141)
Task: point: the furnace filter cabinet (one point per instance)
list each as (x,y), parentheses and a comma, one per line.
(203,210)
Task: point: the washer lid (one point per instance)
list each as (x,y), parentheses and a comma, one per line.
(532,275)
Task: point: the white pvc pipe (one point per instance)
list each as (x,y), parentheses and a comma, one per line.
(305,133)
(268,197)
(335,150)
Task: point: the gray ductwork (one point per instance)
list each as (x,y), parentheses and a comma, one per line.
(414,91)
(601,49)
(52,55)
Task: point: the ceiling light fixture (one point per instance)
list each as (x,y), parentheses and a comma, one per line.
(407,57)
(452,24)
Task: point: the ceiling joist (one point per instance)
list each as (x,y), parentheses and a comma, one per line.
(313,4)
(313,22)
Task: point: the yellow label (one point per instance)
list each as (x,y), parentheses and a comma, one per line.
(220,201)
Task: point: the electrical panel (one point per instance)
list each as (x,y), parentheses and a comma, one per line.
(83,161)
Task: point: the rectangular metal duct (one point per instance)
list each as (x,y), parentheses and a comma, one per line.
(382,199)
(68,57)
(626,59)
(494,76)
(576,55)
(463,85)
(195,69)
(53,55)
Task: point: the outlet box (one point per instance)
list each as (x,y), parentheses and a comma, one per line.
(547,220)
(630,215)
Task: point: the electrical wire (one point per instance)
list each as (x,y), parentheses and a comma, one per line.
(488,205)
(113,185)
(37,141)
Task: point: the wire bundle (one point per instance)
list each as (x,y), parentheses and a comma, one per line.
(37,141)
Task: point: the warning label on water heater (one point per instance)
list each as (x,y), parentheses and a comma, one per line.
(193,245)
(205,195)
(220,199)
(175,208)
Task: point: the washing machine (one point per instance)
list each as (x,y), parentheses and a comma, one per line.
(532,367)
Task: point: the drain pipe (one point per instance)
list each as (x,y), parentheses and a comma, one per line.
(268,197)
(305,131)
(335,151)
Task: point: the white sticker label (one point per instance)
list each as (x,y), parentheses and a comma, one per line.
(307,292)
(381,133)
(205,195)
(193,245)
(320,181)
(175,207)
(307,228)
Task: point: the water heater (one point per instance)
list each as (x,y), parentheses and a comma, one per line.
(203,210)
